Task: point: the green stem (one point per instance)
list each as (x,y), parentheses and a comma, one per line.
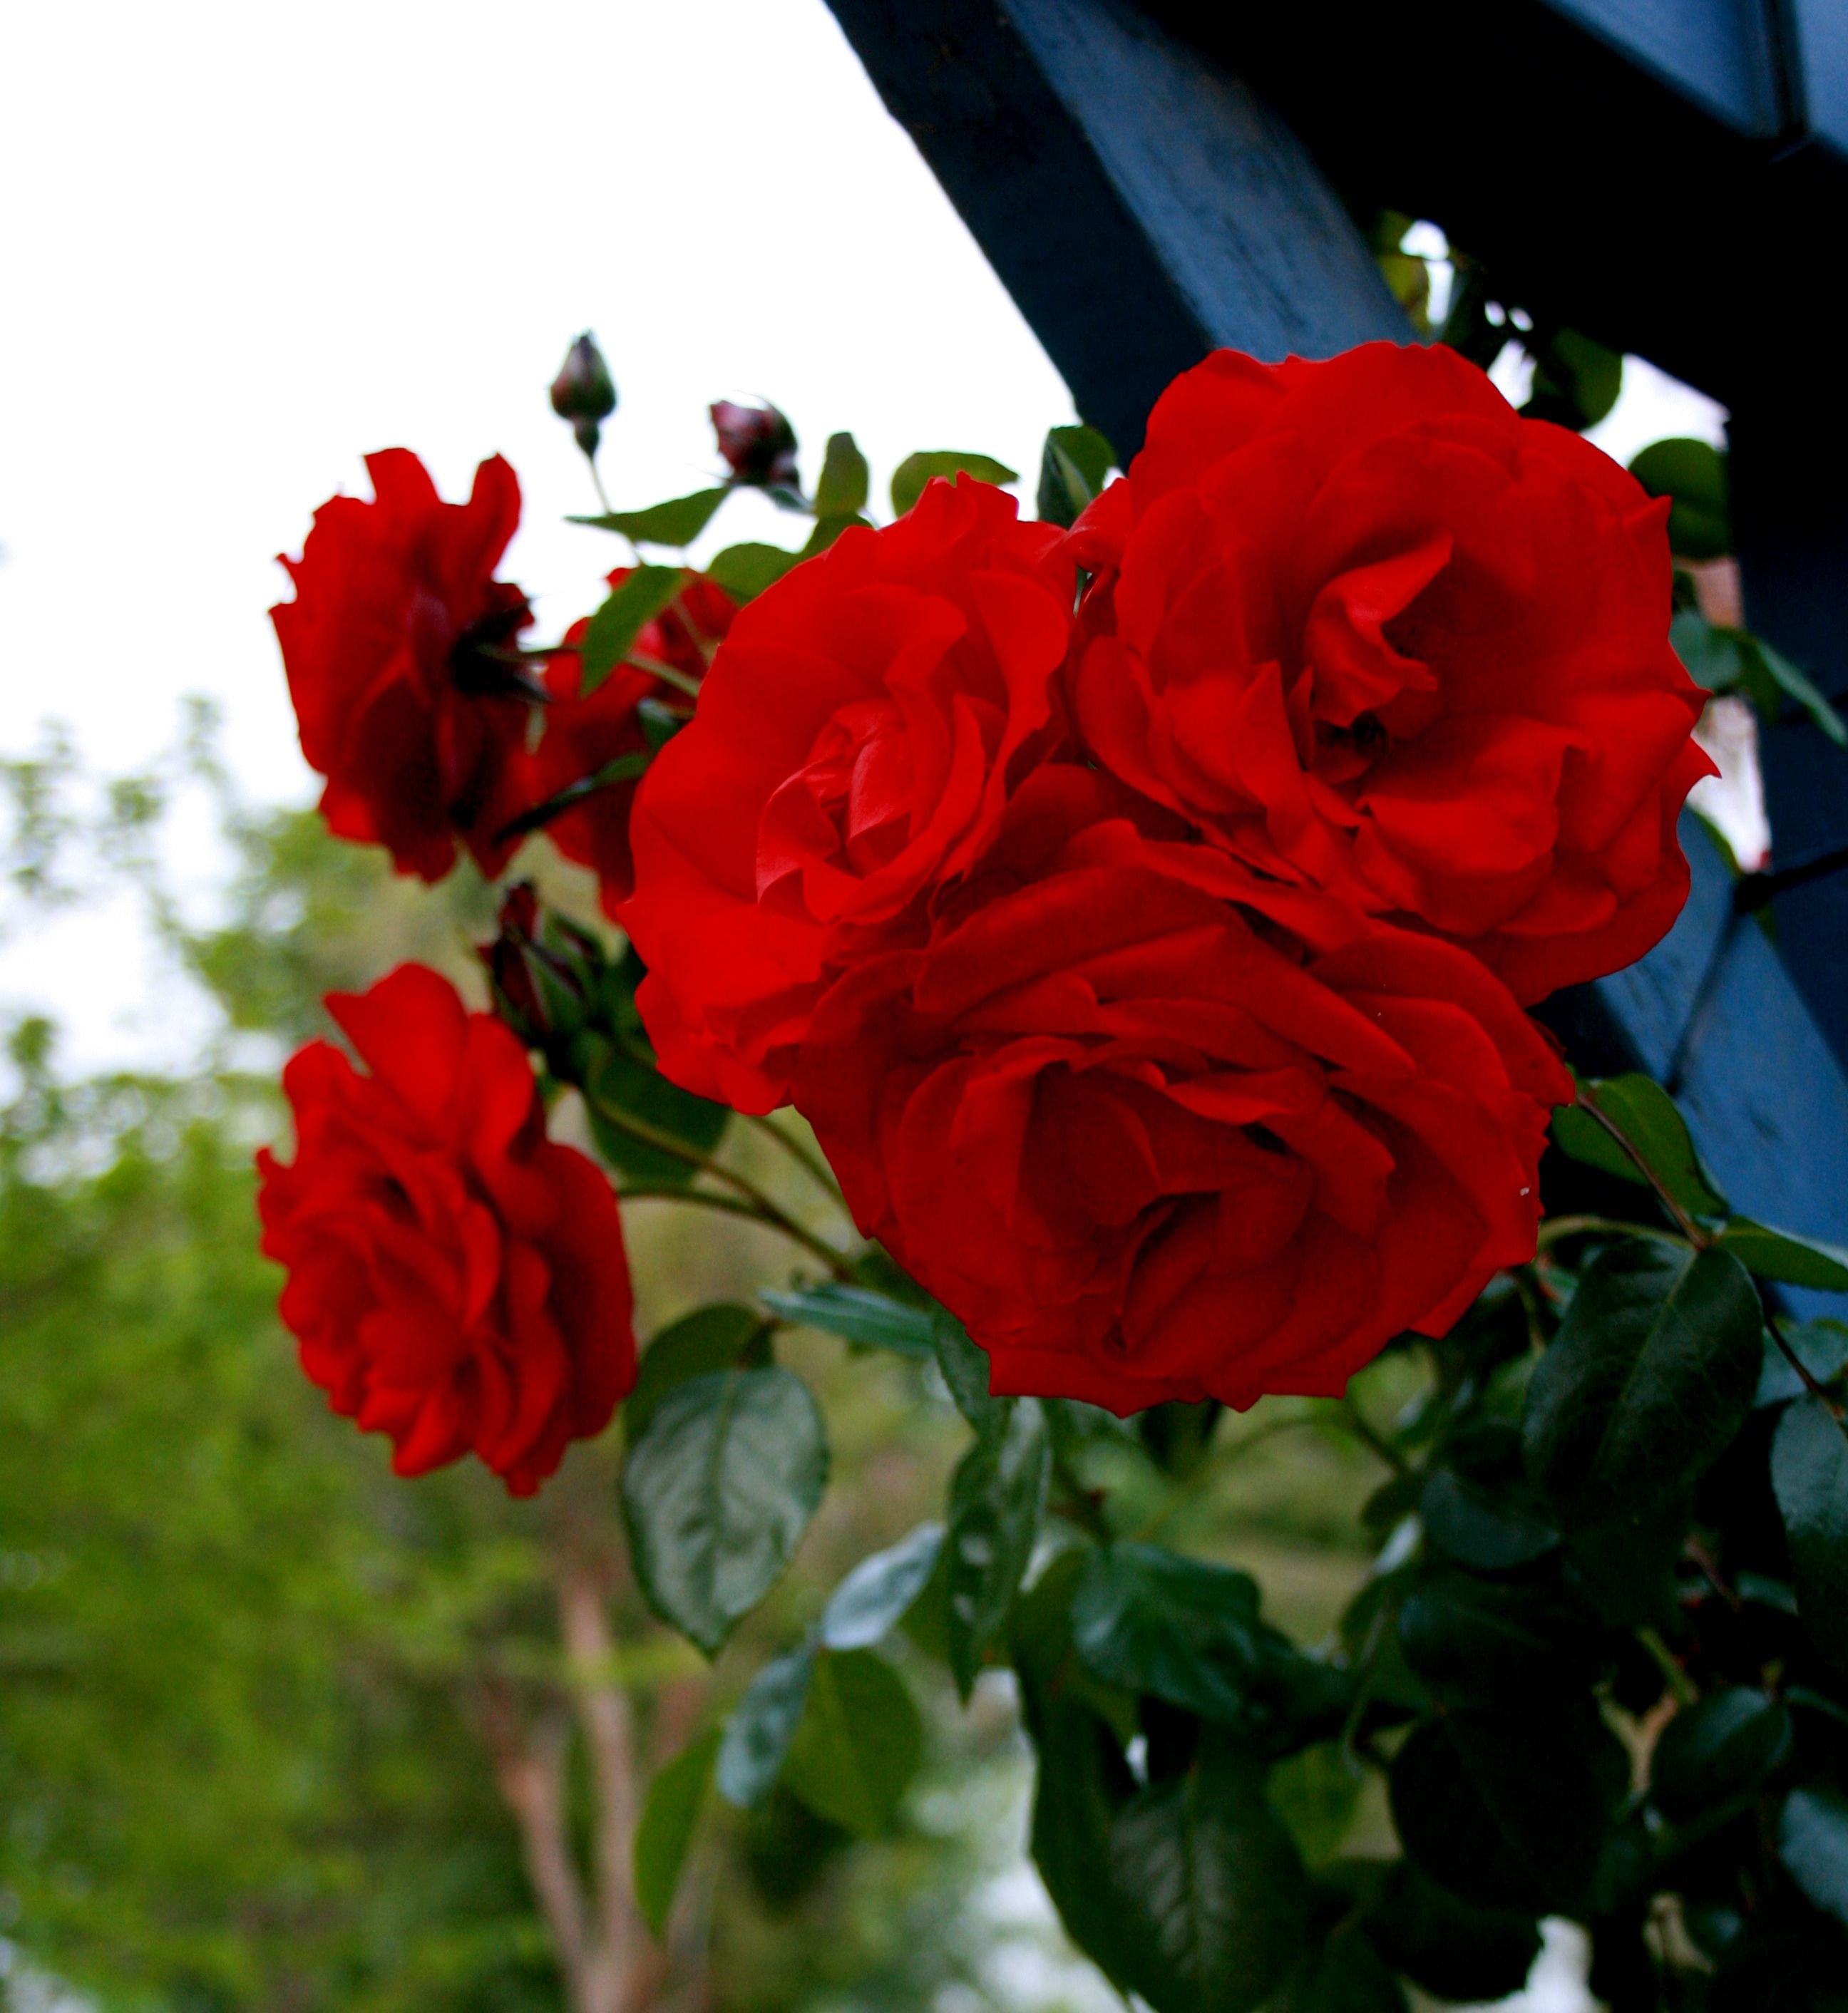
(1363,1430)
(1684,1687)
(1685,1223)
(1558,1227)
(732,1206)
(666,673)
(1832,1405)
(811,1164)
(1220,1458)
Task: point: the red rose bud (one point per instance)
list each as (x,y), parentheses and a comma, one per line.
(456,1280)
(584,392)
(758,444)
(542,979)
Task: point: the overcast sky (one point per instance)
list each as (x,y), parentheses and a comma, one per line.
(246,243)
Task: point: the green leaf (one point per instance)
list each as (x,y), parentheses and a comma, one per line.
(615,626)
(717,1494)
(708,1340)
(1344,1976)
(996,1497)
(911,476)
(827,529)
(842,487)
(1073,468)
(1794,684)
(1479,1508)
(664,1834)
(1576,380)
(1509,1810)
(1215,1882)
(1315,1792)
(1782,1254)
(762,1724)
(1477,1642)
(1152,1621)
(1821,1346)
(1813,1844)
(1652,1373)
(858,1744)
(1692,475)
(875,1596)
(1723,660)
(677,522)
(1717,1752)
(618,769)
(1646,1115)
(1445,1945)
(744,571)
(620,1082)
(856,1314)
(964,1369)
(1809,1476)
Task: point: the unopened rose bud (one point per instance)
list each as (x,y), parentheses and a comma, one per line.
(535,991)
(584,392)
(758,444)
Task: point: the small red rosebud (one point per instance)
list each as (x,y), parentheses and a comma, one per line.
(511,960)
(584,392)
(758,444)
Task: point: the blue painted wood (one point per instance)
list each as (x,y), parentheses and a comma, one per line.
(1719,53)
(1816,33)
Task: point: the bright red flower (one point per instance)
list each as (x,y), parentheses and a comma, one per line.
(456,1280)
(1154,1127)
(581,735)
(1374,632)
(856,741)
(417,727)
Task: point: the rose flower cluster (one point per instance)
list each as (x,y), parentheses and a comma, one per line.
(1144,916)
(457,1281)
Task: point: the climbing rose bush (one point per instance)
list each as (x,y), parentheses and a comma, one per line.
(1372,632)
(456,1280)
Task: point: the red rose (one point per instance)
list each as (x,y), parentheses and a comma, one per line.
(1373,631)
(388,644)
(456,1280)
(581,735)
(855,742)
(1153,1127)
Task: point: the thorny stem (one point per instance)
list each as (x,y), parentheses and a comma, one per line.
(1816,1390)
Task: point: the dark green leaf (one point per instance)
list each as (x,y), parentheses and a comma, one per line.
(658,721)
(1315,1792)
(1479,1508)
(1450,1947)
(874,1597)
(677,522)
(615,626)
(858,1744)
(996,1497)
(708,1340)
(1717,1751)
(1510,1811)
(1723,660)
(1794,685)
(1644,1113)
(1483,1642)
(1649,1378)
(1813,1844)
(1625,1563)
(1344,1976)
(1821,1346)
(664,1834)
(1073,467)
(718,1493)
(1810,1474)
(1153,1622)
(1781,1254)
(619,769)
(1576,380)
(744,571)
(1220,1896)
(856,1314)
(842,487)
(762,1724)
(1692,474)
(627,1099)
(827,529)
(909,478)
(964,1369)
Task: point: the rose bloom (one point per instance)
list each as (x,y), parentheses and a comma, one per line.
(419,729)
(455,1279)
(580,735)
(855,744)
(1154,1127)
(1372,632)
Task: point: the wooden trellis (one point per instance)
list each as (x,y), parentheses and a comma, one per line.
(1669,175)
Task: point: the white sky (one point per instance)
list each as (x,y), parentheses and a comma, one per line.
(245,243)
